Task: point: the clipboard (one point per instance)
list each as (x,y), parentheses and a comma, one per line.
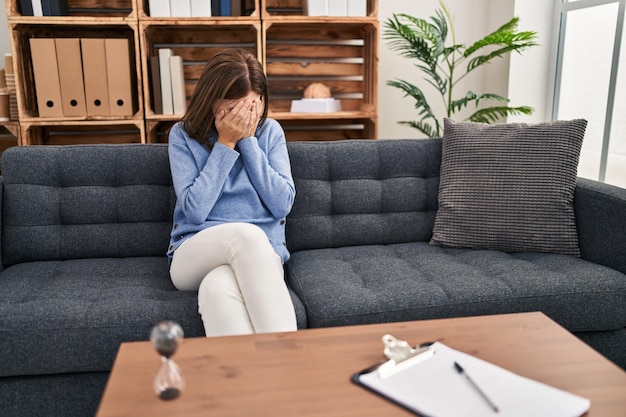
(425,381)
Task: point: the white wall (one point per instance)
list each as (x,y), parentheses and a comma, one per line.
(523,78)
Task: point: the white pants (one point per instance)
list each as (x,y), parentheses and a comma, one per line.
(239,278)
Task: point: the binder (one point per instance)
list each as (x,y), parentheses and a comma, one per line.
(37,7)
(159,8)
(216,7)
(95,76)
(155,84)
(69,63)
(26,7)
(236,8)
(55,8)
(179,96)
(315,7)
(427,381)
(225,8)
(46,75)
(166,80)
(201,8)
(119,77)
(338,7)
(357,8)
(180,8)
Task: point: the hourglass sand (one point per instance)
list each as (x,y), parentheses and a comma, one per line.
(169,381)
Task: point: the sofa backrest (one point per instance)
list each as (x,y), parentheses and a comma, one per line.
(363,192)
(83,201)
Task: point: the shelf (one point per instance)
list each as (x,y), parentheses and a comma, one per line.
(295,51)
(81,132)
(342,56)
(325,129)
(81,11)
(23,32)
(293,10)
(195,43)
(157,130)
(144,14)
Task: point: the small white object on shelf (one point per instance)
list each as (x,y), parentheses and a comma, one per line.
(315,105)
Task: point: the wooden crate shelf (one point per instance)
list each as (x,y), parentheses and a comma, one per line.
(65,133)
(97,11)
(325,129)
(294,10)
(195,43)
(22,33)
(295,51)
(253,6)
(157,130)
(341,56)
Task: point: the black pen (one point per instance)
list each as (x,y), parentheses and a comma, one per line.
(460,369)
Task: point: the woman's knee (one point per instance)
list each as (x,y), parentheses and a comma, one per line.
(218,285)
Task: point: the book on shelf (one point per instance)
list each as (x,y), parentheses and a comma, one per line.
(201,8)
(315,7)
(166,80)
(37,7)
(354,8)
(155,85)
(337,7)
(357,8)
(55,7)
(26,7)
(216,7)
(180,8)
(159,8)
(179,96)
(225,9)
(236,8)
(168,83)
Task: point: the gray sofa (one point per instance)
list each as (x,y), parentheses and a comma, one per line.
(85,229)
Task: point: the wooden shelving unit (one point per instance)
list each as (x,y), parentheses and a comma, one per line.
(296,50)
(340,52)
(87,19)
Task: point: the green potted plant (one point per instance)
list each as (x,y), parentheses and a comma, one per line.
(444,64)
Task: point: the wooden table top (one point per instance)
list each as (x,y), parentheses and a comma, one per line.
(307,373)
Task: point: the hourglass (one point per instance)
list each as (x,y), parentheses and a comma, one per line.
(169,381)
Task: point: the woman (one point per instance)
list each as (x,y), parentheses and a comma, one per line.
(234,188)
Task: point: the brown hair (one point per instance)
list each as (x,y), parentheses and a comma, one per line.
(228,75)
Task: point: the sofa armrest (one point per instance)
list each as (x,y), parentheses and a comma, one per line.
(601,221)
(1,220)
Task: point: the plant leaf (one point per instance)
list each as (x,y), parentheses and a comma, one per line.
(493,114)
(425,128)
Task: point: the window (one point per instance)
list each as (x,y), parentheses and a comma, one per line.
(590,83)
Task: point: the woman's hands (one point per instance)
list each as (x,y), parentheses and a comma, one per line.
(238,122)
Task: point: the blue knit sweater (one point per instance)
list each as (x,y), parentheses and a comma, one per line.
(251,184)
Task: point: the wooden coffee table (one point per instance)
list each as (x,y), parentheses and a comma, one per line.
(307,373)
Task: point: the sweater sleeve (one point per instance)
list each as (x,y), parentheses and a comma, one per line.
(197,187)
(270,171)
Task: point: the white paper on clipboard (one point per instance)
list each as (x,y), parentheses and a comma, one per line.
(434,388)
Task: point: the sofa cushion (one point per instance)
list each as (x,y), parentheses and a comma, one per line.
(509,187)
(359,192)
(417,281)
(71,316)
(91,201)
